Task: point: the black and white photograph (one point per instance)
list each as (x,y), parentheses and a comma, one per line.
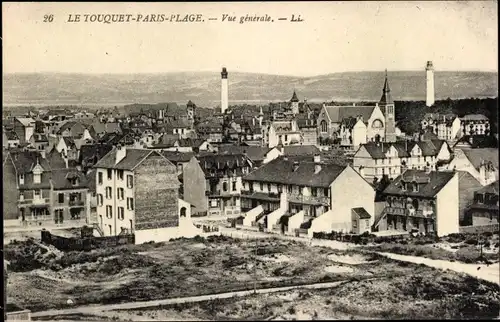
(241,161)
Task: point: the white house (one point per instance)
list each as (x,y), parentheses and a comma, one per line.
(482,164)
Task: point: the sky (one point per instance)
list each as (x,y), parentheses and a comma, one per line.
(334,37)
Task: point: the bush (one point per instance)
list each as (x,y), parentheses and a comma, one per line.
(471,241)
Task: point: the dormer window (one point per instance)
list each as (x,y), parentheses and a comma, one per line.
(403,185)
(21,179)
(415,186)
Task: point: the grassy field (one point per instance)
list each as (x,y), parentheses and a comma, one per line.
(45,278)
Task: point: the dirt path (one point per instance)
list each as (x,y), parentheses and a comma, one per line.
(92,309)
(489,273)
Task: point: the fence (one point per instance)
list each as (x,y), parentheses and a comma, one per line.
(479,229)
(85,243)
(24,315)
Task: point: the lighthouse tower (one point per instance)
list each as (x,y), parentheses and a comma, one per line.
(429,76)
(223,91)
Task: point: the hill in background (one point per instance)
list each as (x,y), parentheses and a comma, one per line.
(203,88)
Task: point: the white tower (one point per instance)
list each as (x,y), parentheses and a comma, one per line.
(429,76)
(223,91)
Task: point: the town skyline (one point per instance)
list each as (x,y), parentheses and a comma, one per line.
(334,37)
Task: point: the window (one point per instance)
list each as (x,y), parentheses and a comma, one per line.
(130,203)
(324,127)
(354,223)
(300,190)
(109,212)
(269,187)
(21,179)
(224,186)
(37,194)
(121,213)
(60,197)
(110,174)
(325,192)
(99,200)
(261,186)
(290,188)
(286,138)
(119,174)
(367,222)
(99,177)
(403,185)
(37,178)
(21,197)
(234,185)
(415,187)
(120,193)
(130,181)
(314,192)
(479,198)
(183,212)
(280,188)
(109,192)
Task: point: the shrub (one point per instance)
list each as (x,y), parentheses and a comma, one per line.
(471,241)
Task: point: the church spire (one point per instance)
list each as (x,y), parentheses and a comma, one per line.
(386,92)
(294,97)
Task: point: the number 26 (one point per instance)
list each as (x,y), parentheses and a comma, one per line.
(48,18)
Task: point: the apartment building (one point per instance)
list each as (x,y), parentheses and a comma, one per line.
(475,124)
(310,196)
(422,201)
(376,159)
(136,190)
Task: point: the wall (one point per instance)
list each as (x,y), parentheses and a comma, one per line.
(10,192)
(55,205)
(156,194)
(194,185)
(350,190)
(479,229)
(364,159)
(447,204)
(88,243)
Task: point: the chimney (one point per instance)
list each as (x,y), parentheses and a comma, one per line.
(317,158)
(121,152)
(317,167)
(295,166)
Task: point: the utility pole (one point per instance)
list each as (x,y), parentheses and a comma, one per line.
(255,266)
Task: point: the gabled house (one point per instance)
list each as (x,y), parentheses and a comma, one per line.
(374,160)
(259,155)
(75,130)
(482,164)
(39,141)
(212,183)
(24,128)
(27,188)
(67,147)
(445,126)
(211,129)
(421,201)
(10,139)
(484,208)
(306,197)
(69,196)
(91,153)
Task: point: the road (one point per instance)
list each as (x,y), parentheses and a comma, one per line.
(191,299)
(489,273)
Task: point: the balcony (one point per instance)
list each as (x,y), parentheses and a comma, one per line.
(76,203)
(308,200)
(407,212)
(37,201)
